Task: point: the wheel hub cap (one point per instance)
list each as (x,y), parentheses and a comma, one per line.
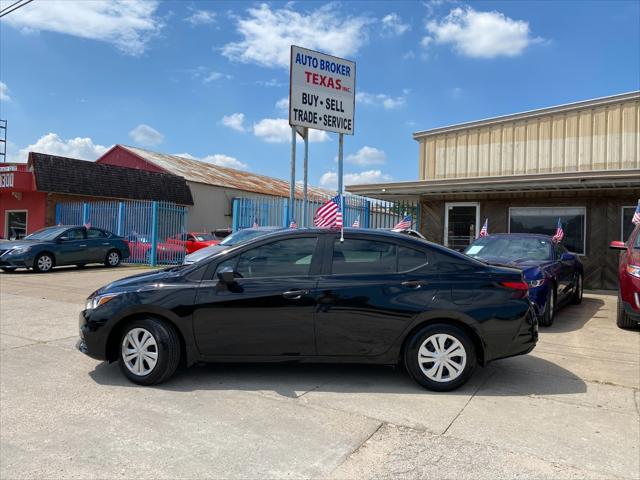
(113,258)
(44,263)
(442,357)
(139,351)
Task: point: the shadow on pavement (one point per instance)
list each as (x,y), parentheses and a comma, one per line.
(574,317)
(528,375)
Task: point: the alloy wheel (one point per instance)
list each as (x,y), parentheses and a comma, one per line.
(139,351)
(442,357)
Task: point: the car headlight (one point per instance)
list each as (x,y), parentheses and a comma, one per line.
(633,270)
(98,300)
(536,283)
(22,249)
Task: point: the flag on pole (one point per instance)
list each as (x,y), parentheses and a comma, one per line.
(559,233)
(484,231)
(636,216)
(329,215)
(255,223)
(356,223)
(403,224)
(87,225)
(293,224)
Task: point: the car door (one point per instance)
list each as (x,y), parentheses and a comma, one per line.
(98,244)
(566,270)
(72,247)
(268,310)
(371,291)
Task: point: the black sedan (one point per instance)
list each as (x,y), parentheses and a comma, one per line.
(63,245)
(305,296)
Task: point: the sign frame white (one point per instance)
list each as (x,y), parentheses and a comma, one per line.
(332,99)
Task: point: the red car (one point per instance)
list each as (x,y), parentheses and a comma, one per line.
(140,247)
(629,276)
(193,241)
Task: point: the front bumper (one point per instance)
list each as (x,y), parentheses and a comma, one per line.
(93,338)
(632,313)
(18,260)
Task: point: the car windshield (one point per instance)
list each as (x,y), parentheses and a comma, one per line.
(203,237)
(243,236)
(46,233)
(510,248)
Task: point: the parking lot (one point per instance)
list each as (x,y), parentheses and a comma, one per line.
(571,409)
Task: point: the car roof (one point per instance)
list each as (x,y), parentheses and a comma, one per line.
(521,235)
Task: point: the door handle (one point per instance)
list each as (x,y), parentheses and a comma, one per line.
(83,245)
(295,294)
(105,243)
(412,284)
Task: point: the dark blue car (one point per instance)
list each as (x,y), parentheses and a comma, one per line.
(554,274)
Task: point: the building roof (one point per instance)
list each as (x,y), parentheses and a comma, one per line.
(568,107)
(81,177)
(594,180)
(210,174)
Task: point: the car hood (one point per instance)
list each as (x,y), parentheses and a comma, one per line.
(155,277)
(205,253)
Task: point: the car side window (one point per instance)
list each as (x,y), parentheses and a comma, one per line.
(95,233)
(191,238)
(409,258)
(363,256)
(74,234)
(283,258)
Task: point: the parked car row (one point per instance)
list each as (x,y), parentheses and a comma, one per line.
(628,314)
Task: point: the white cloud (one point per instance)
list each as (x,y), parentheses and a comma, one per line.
(274,82)
(367,156)
(283,104)
(146,135)
(51,143)
(235,121)
(392,25)
(218,159)
(480,34)
(330,179)
(278,130)
(381,99)
(201,17)
(127,25)
(408,55)
(267,34)
(4,92)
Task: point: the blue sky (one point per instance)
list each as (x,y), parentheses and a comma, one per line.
(208,79)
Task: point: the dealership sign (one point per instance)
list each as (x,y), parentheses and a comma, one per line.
(322,91)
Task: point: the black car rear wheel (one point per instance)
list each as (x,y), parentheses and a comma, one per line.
(549,308)
(440,357)
(149,351)
(113,258)
(576,298)
(43,263)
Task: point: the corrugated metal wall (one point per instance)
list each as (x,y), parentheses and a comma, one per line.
(601,138)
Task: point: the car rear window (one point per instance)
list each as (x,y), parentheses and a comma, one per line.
(363,256)
(95,233)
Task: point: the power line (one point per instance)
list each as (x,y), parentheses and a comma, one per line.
(9,9)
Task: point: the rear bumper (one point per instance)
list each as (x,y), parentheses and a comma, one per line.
(525,339)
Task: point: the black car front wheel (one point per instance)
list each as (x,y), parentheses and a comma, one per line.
(440,357)
(43,263)
(113,258)
(576,298)
(549,308)
(149,351)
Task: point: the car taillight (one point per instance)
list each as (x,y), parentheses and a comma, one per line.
(520,289)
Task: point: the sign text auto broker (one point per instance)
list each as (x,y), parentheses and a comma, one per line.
(322,94)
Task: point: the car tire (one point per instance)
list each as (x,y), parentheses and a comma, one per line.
(622,319)
(139,341)
(8,269)
(441,376)
(550,306)
(576,298)
(113,258)
(43,263)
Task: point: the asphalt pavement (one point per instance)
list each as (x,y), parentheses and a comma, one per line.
(570,409)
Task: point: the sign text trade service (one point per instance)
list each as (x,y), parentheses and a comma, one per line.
(322,94)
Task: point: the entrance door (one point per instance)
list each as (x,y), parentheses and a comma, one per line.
(16,224)
(461,224)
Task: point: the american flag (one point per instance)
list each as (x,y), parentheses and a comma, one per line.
(356,222)
(293,224)
(484,231)
(255,223)
(87,225)
(636,216)
(329,215)
(559,233)
(403,224)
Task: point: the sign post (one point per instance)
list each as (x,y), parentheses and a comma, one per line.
(291,211)
(322,97)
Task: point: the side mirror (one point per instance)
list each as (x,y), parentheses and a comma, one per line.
(227,275)
(567,256)
(617,245)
